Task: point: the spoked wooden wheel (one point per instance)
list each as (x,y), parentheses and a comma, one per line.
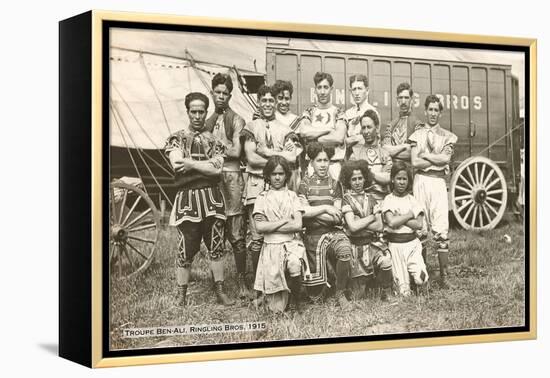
(134,230)
(478,194)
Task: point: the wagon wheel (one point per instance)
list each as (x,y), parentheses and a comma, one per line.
(134,230)
(478,194)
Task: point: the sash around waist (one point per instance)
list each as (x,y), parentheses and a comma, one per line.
(393,237)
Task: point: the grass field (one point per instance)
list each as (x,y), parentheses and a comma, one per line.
(487,274)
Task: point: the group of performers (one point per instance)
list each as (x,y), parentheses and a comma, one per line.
(331,206)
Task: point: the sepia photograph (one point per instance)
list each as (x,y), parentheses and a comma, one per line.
(279,188)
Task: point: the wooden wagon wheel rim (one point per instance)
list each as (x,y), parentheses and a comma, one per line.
(126,230)
(478,194)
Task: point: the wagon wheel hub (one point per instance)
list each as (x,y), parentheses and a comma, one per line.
(480,196)
(119,234)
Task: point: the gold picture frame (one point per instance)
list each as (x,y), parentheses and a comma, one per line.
(84,137)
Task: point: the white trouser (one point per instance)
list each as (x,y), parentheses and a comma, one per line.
(431,192)
(407,260)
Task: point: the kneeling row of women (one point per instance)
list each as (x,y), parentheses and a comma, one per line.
(381,234)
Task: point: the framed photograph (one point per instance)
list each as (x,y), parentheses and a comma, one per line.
(233,189)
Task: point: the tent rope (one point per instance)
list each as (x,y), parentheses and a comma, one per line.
(197,71)
(115,114)
(148,74)
(499,139)
(145,162)
(137,121)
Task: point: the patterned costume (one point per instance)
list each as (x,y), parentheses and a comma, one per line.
(323,118)
(405,248)
(281,252)
(325,243)
(378,160)
(367,256)
(199,210)
(399,129)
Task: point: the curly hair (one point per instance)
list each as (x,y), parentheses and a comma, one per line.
(224,79)
(320,76)
(281,86)
(397,167)
(265,89)
(196,96)
(315,148)
(351,166)
(272,163)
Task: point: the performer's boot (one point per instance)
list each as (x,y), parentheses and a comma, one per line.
(443,258)
(217,271)
(425,254)
(342,277)
(244,293)
(385,278)
(181,296)
(222,297)
(255,248)
(295,285)
(183,274)
(239,253)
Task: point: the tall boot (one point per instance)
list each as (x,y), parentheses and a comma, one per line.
(342,277)
(222,297)
(182,279)
(425,254)
(443,258)
(244,293)
(385,280)
(239,253)
(295,285)
(181,296)
(255,248)
(217,267)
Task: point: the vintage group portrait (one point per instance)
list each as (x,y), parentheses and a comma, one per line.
(279,188)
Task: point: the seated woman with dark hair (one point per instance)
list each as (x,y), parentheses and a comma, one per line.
(328,248)
(278,216)
(362,221)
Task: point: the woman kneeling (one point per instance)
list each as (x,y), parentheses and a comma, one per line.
(363,221)
(278,216)
(404,215)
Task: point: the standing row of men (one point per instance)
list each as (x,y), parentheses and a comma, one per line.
(215,202)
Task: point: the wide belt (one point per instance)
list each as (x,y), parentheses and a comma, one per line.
(400,238)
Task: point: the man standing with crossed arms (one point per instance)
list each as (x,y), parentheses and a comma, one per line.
(431,150)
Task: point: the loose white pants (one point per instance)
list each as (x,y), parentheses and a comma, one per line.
(431,192)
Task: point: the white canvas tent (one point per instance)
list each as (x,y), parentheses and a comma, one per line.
(151,72)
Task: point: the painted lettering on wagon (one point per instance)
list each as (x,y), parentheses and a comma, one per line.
(462,102)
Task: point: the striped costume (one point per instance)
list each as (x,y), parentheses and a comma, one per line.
(367,256)
(325,243)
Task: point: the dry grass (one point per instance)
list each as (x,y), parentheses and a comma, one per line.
(487,275)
